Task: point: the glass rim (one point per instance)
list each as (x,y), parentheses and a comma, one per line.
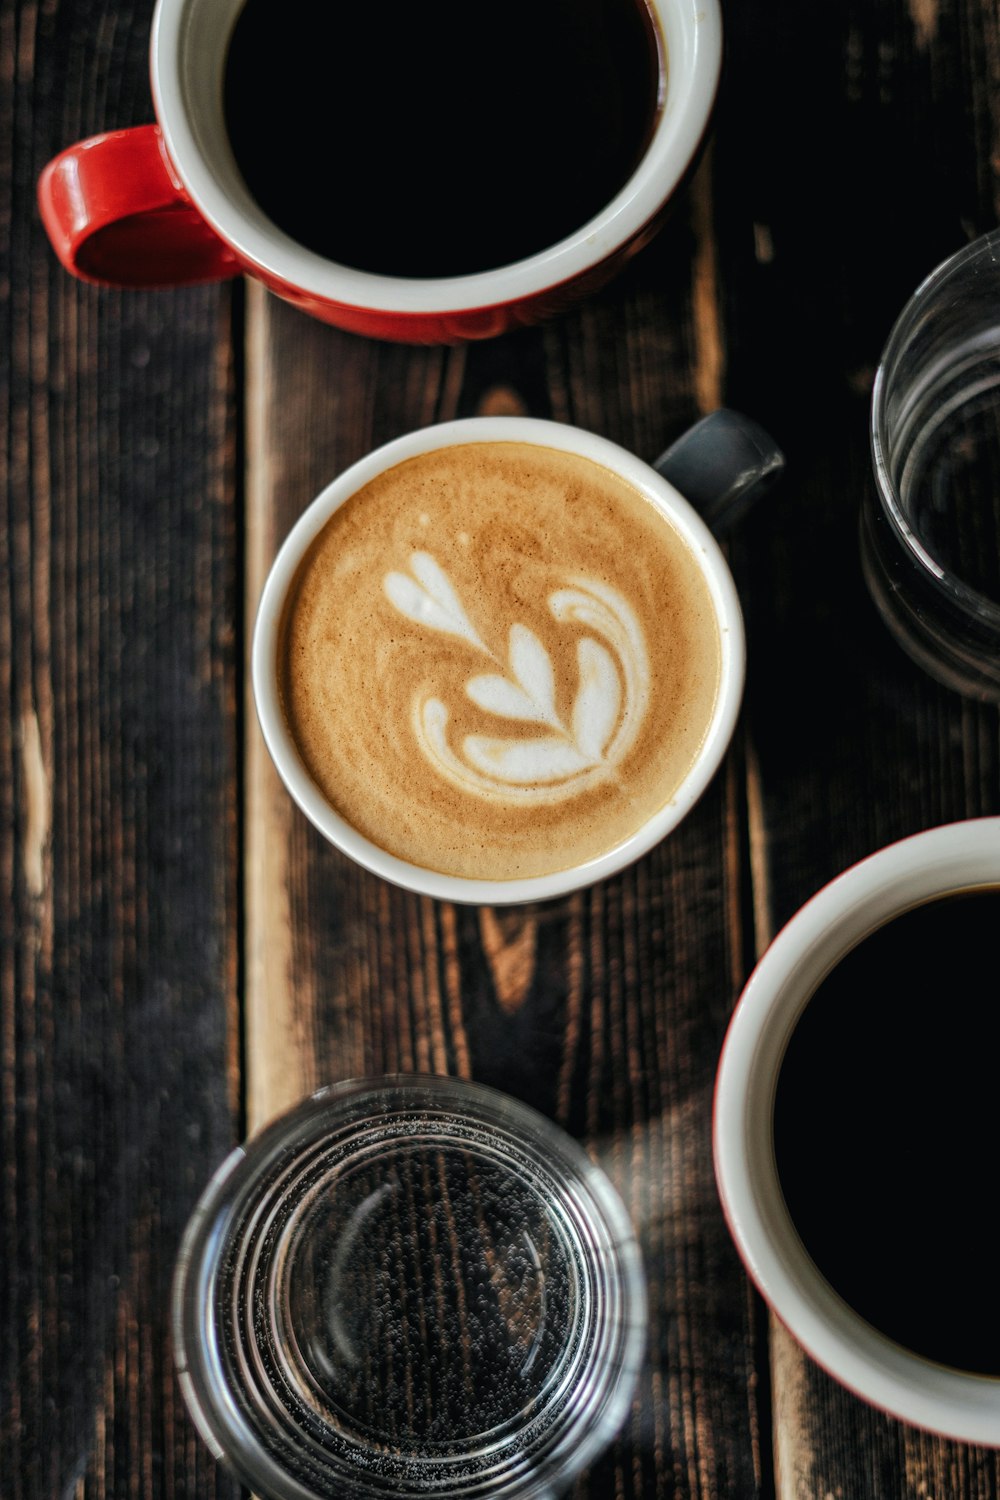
(970,600)
(556,1451)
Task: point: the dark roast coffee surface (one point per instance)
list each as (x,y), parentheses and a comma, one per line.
(887,1130)
(438,140)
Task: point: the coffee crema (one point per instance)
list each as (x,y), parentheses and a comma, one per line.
(498,660)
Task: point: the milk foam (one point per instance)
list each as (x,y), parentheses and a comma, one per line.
(498,660)
(610,703)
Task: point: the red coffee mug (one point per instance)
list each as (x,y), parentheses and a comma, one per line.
(165,205)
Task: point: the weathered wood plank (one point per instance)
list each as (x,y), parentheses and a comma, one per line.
(118,608)
(860,144)
(605,1009)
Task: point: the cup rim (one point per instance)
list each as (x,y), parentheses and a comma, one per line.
(952,857)
(692,33)
(542,433)
(969,599)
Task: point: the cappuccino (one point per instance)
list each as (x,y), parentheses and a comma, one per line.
(498,660)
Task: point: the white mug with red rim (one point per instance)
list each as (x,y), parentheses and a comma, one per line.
(164,204)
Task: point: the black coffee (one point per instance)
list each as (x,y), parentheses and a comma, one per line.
(438,139)
(887,1130)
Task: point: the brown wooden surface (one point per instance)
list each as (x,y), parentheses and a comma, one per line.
(181,955)
(119,901)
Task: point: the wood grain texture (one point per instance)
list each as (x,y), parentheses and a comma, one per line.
(859,172)
(181,956)
(118,957)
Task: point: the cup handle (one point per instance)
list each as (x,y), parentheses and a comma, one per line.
(117,215)
(723,465)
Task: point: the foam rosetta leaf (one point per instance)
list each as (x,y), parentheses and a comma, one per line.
(598,700)
(495,695)
(524,762)
(429,599)
(532,695)
(532,666)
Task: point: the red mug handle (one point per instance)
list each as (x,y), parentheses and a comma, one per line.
(117,215)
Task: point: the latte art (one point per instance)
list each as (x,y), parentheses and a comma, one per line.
(498,660)
(608,709)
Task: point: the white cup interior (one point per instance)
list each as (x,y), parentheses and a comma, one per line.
(951,858)
(187,63)
(497,429)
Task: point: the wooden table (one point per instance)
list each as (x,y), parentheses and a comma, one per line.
(181,956)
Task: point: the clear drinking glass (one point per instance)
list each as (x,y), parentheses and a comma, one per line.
(930,533)
(409,1286)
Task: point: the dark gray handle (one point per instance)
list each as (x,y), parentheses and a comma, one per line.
(723,465)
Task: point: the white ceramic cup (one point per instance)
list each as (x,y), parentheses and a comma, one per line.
(956,857)
(497,429)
